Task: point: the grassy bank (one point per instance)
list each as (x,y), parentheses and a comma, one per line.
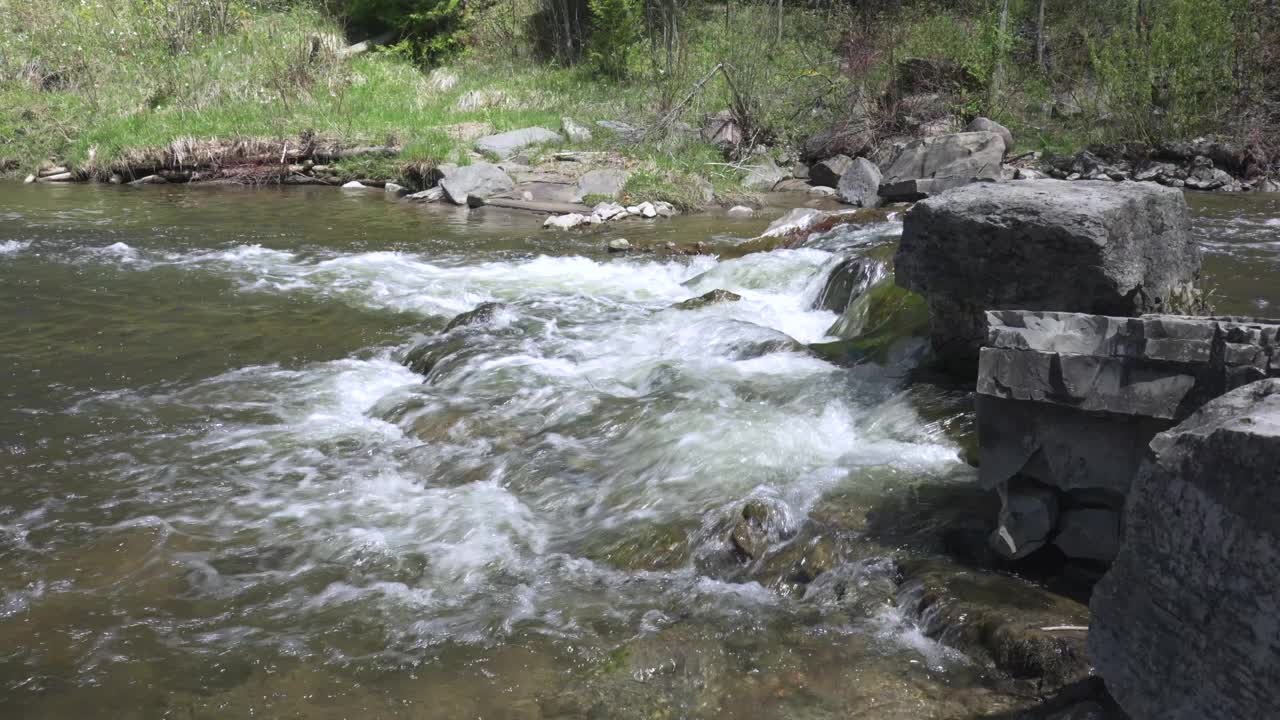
(97,82)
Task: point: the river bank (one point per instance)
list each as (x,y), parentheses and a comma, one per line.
(229,495)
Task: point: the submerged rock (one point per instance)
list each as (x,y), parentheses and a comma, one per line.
(618,245)
(1094,247)
(740,211)
(712,297)
(1026,631)
(847,281)
(1195,591)
(482,313)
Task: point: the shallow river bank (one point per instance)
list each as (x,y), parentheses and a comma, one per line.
(225,495)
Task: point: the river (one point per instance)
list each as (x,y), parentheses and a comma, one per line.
(224,495)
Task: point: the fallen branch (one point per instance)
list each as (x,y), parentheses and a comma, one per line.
(366,45)
(679,108)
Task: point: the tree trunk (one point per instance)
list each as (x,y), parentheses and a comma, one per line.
(1040,39)
(779,22)
(997,74)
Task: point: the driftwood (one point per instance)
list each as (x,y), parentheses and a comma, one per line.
(546,208)
(59,177)
(366,45)
(697,88)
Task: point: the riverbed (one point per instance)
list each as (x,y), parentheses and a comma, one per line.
(224,494)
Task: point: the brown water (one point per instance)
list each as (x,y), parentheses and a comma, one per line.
(223,496)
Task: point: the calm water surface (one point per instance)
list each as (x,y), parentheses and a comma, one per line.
(224,496)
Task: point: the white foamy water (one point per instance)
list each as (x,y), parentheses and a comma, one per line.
(13,247)
(589,406)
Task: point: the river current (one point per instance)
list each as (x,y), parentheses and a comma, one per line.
(222,494)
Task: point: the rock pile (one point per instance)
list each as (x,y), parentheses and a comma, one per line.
(1067,404)
(1101,248)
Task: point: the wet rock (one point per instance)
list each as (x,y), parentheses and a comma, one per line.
(664,209)
(1195,590)
(609,211)
(763,175)
(981,124)
(1027,174)
(394,190)
(750,534)
(481,314)
(1071,401)
(482,180)
(820,557)
(568,221)
(158,180)
(353,185)
(505,145)
(1114,249)
(740,211)
(577,133)
(607,182)
(708,298)
(651,548)
(795,221)
(822,191)
(846,282)
(859,185)
(792,185)
(618,245)
(435,194)
(828,172)
(800,171)
(1204,176)
(929,166)
(1026,631)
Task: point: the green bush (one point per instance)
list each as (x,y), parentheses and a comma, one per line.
(426,31)
(615,29)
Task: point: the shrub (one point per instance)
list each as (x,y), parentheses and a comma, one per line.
(615,29)
(426,31)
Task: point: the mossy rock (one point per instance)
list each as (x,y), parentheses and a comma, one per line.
(713,297)
(875,324)
(652,548)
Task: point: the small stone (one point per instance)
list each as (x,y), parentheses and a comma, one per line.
(633,209)
(564,222)
(434,194)
(353,185)
(1027,517)
(740,211)
(711,298)
(1027,174)
(29,179)
(395,190)
(526,196)
(608,211)
(154,180)
(619,245)
(648,210)
(665,209)
(822,191)
(575,131)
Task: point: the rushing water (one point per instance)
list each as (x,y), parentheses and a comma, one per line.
(224,495)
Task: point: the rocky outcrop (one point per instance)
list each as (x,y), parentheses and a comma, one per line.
(1185,623)
(982,124)
(481,180)
(1067,404)
(934,164)
(829,171)
(1102,248)
(507,144)
(605,182)
(860,184)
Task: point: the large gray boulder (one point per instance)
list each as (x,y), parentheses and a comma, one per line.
(1090,247)
(1067,404)
(932,165)
(507,144)
(1186,624)
(982,124)
(829,171)
(481,180)
(607,182)
(764,173)
(860,184)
